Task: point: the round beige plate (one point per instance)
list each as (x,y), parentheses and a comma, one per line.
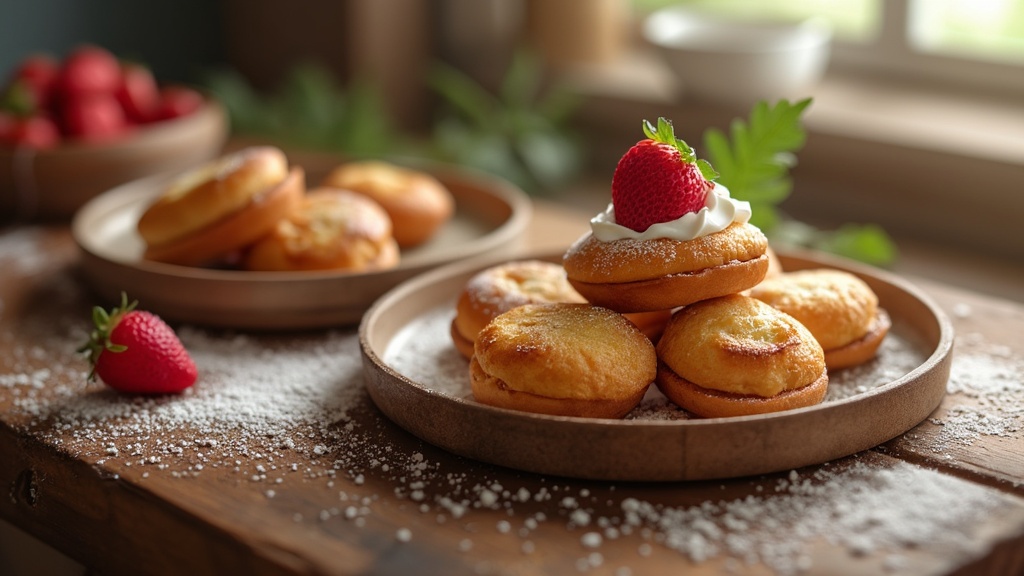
(656,450)
(490,218)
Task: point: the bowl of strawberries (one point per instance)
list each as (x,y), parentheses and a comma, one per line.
(75,127)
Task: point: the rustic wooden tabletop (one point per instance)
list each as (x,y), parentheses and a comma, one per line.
(288,467)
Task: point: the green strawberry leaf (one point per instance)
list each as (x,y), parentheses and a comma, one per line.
(754,160)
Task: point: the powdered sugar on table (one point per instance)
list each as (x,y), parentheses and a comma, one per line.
(283,413)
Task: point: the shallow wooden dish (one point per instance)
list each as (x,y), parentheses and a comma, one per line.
(657,450)
(490,218)
(54,184)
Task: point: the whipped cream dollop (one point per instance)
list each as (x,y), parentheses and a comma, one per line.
(718,213)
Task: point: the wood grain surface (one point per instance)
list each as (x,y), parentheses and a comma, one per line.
(171,486)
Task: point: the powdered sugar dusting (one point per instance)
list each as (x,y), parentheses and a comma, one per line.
(855,508)
(989,378)
(273,410)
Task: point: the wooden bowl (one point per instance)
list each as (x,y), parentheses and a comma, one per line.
(51,185)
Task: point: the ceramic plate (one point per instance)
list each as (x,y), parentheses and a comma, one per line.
(416,377)
(490,218)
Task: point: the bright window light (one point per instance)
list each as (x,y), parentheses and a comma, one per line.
(969,28)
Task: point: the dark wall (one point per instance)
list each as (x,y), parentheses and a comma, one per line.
(180,39)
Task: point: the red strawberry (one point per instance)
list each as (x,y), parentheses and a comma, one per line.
(38,73)
(90,70)
(138,93)
(659,179)
(177,101)
(134,351)
(7,123)
(39,132)
(94,117)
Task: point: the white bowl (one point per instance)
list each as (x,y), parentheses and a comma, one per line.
(735,62)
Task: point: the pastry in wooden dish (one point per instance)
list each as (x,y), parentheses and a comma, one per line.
(331,229)
(632,275)
(562,359)
(737,356)
(838,308)
(671,236)
(417,202)
(210,212)
(502,287)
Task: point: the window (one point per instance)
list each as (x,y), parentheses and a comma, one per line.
(978,44)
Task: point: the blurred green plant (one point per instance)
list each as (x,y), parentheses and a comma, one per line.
(309,110)
(521,133)
(754,160)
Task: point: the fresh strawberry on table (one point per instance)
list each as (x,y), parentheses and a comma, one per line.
(659,179)
(134,351)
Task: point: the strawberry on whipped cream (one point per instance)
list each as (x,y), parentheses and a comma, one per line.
(719,212)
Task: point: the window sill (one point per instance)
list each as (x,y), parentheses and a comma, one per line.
(927,165)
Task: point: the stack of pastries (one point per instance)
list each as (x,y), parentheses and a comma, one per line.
(250,210)
(696,304)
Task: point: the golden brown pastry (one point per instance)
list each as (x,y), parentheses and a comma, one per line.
(211,211)
(562,359)
(631,275)
(838,308)
(737,356)
(774,264)
(501,288)
(651,323)
(417,203)
(331,229)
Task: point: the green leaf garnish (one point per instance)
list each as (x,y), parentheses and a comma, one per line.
(754,162)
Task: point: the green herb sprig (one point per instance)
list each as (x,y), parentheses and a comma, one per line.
(754,161)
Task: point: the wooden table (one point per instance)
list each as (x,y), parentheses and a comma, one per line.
(311,479)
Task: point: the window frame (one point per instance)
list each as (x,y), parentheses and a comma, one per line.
(892,54)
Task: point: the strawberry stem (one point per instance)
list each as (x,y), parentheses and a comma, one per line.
(665,134)
(103,324)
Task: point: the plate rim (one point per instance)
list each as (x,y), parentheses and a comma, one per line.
(936,363)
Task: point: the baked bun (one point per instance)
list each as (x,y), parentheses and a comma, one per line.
(652,323)
(774,263)
(838,308)
(417,203)
(736,356)
(331,229)
(562,359)
(220,207)
(643,275)
(501,288)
